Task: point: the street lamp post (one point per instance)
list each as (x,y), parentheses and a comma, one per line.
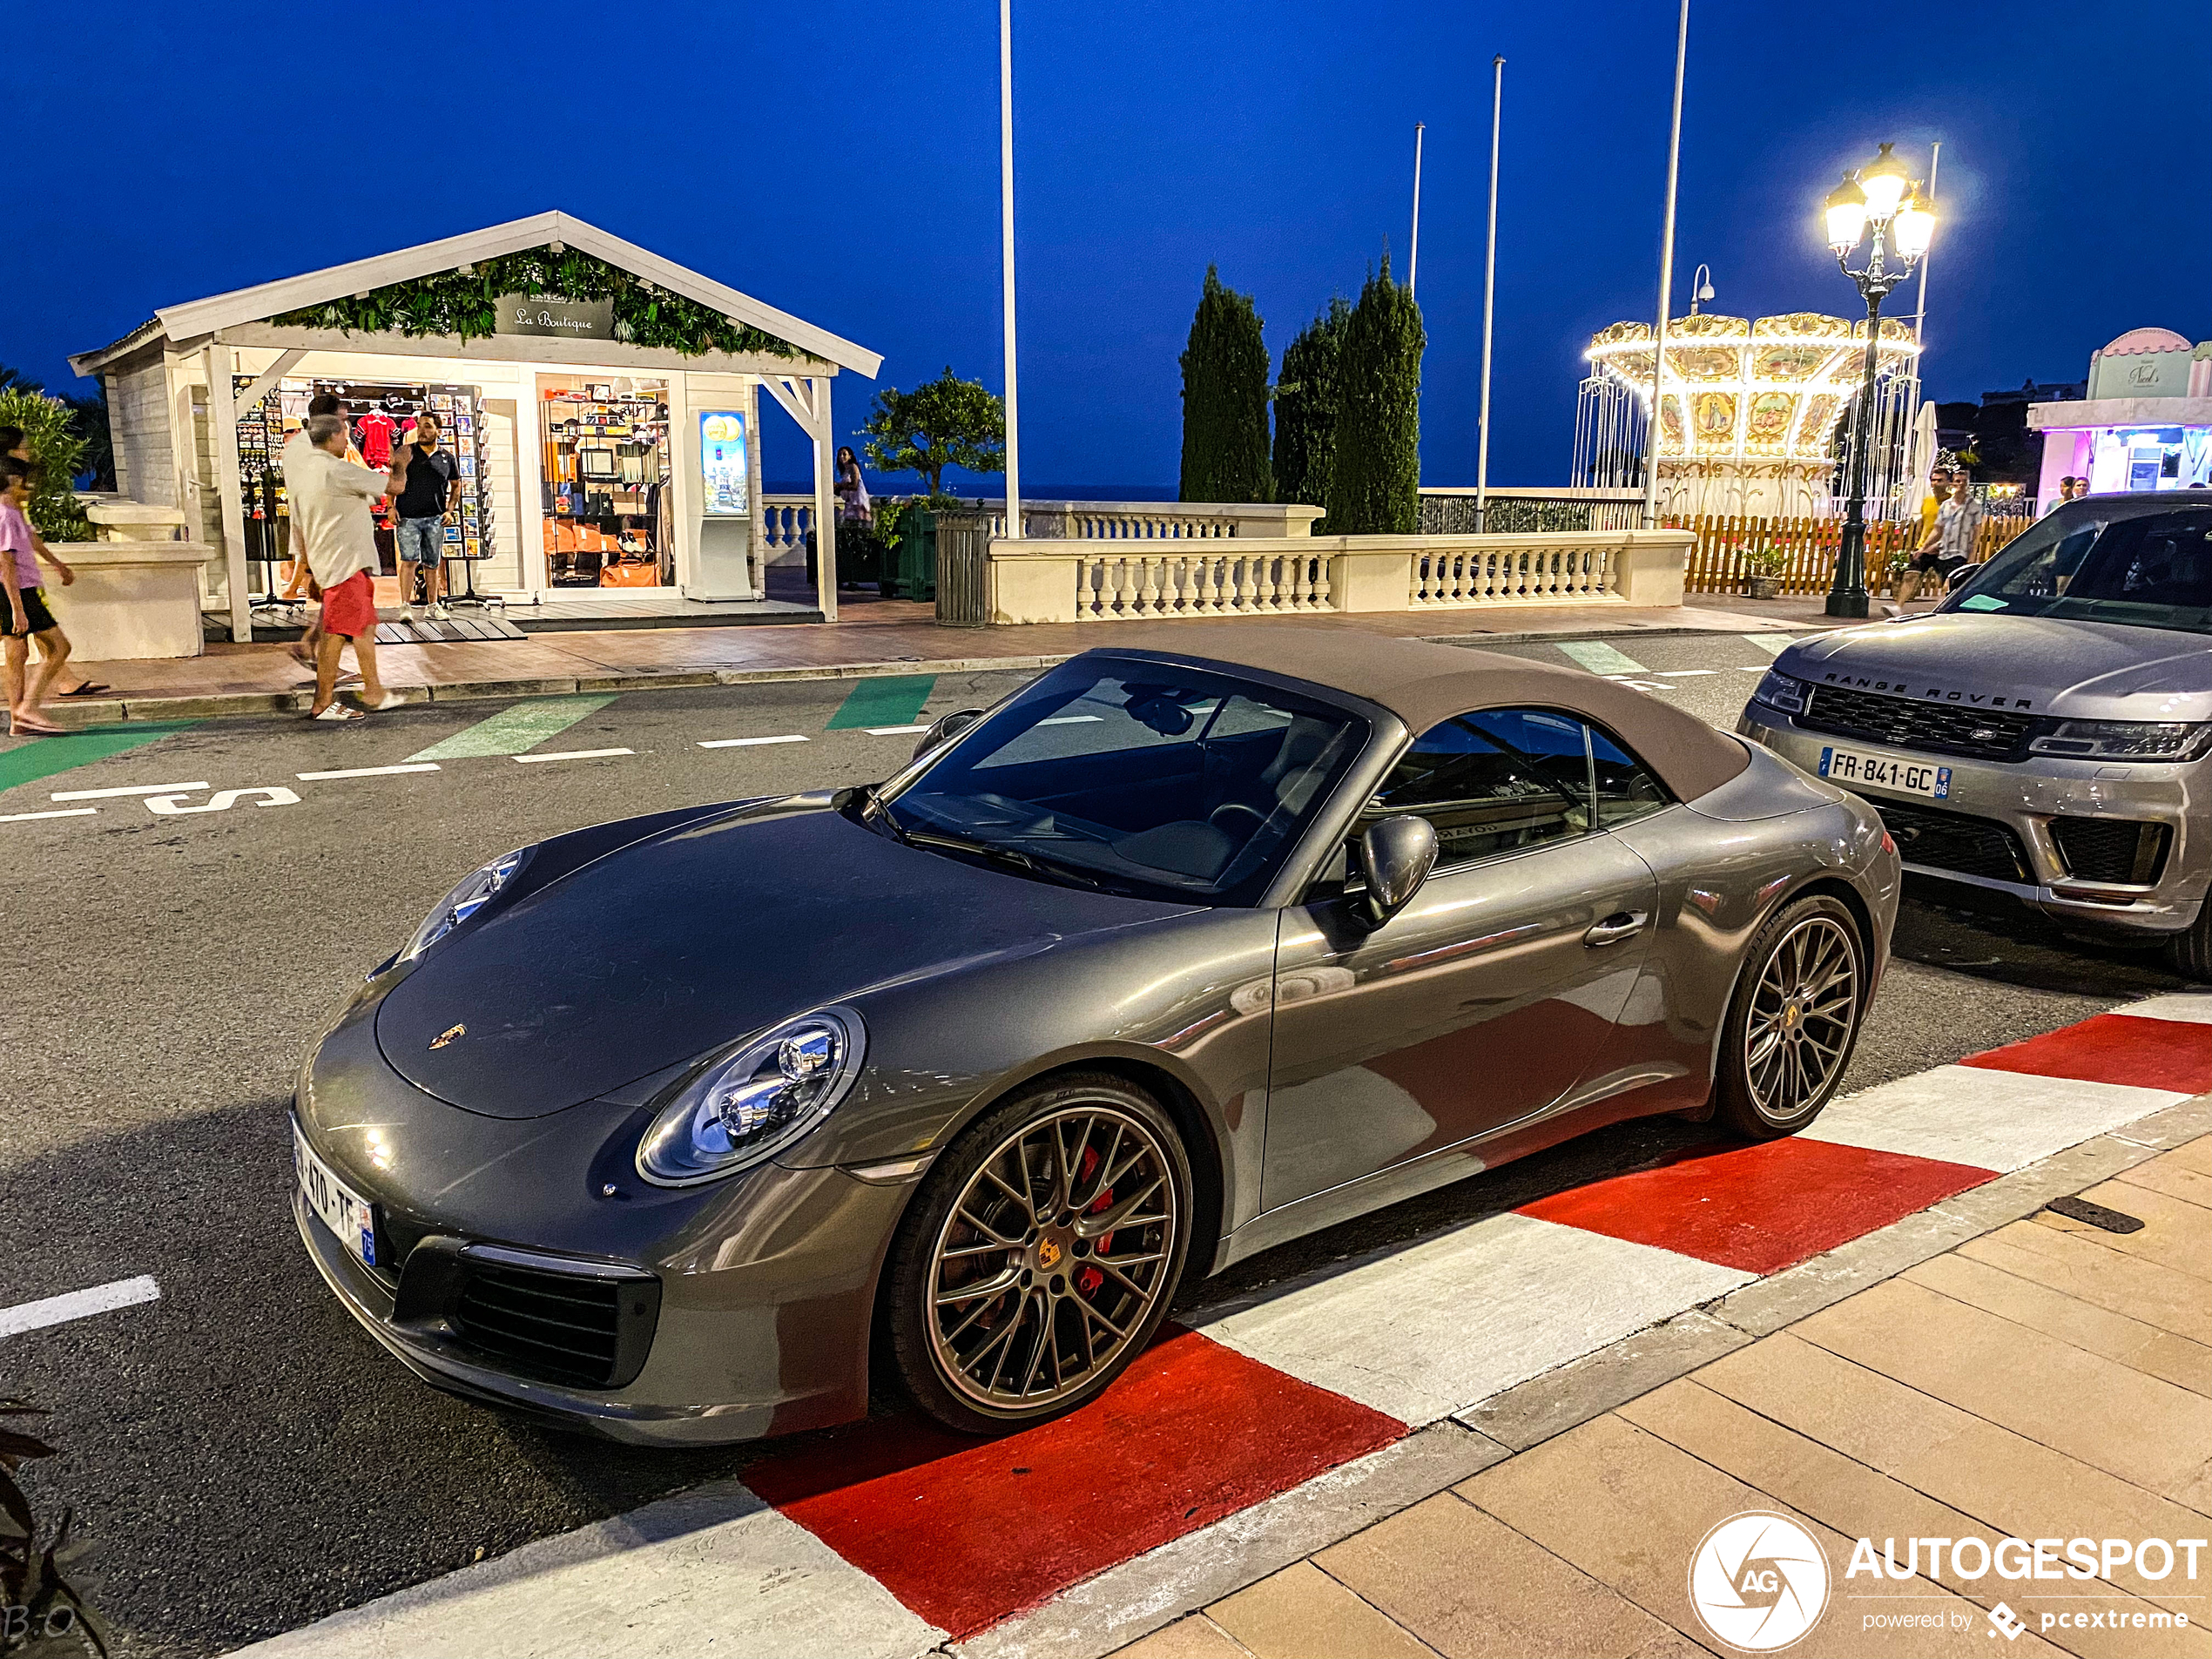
(1881,199)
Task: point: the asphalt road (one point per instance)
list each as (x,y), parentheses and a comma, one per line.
(239,1457)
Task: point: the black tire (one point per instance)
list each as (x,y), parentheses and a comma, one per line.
(1789,1035)
(981,1364)
(2190,951)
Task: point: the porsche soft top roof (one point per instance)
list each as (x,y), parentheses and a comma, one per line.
(1423,684)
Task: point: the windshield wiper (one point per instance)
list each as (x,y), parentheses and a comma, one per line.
(1028,863)
(873,812)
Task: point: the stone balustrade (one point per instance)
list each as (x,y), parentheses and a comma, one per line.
(1033,580)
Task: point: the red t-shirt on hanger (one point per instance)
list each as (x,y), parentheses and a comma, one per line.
(376,430)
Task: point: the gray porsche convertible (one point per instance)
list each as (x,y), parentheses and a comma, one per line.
(672,1126)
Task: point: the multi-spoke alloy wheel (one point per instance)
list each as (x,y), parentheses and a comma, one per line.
(1045,1257)
(1796,1018)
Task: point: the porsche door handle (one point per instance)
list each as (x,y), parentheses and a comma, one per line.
(1621,924)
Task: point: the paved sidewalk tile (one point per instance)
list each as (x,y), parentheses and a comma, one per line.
(1302,1611)
(1195,1636)
(2176,1233)
(2004,1480)
(1472,1587)
(2101,1331)
(2091,1271)
(2174,1180)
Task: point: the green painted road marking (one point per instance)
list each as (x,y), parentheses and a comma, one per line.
(1601,658)
(1772,644)
(50,755)
(895,700)
(514,729)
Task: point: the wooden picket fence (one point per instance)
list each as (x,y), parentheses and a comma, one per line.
(1808,547)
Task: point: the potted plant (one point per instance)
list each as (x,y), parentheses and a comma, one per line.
(1762,568)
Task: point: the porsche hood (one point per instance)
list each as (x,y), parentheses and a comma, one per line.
(2088,670)
(695,937)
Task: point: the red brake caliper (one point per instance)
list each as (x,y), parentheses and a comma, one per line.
(1088,1279)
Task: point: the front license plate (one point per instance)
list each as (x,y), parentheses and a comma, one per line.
(348,1214)
(1863,767)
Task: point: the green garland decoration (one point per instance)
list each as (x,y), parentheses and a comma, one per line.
(464,304)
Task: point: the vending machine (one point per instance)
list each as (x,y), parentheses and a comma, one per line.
(725,508)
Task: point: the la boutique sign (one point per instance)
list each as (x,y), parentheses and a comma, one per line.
(549,316)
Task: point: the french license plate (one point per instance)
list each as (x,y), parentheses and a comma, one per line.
(348,1214)
(1862,767)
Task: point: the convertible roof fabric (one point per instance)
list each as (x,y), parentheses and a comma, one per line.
(1423,684)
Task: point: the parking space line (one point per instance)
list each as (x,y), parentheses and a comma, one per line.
(746,743)
(1684,673)
(886,700)
(1073,719)
(358,771)
(122,790)
(569,754)
(893,730)
(517,727)
(66,812)
(1772,644)
(1602,659)
(77,1304)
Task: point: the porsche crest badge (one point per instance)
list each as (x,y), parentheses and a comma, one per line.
(451,1034)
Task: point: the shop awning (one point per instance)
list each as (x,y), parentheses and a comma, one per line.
(199,318)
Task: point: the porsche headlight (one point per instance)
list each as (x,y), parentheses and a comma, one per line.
(2124,739)
(478,888)
(1778,692)
(741,1109)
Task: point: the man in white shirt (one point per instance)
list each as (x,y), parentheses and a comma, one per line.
(1951,545)
(328,495)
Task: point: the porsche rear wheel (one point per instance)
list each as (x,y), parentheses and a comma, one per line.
(1041,1256)
(1794,1020)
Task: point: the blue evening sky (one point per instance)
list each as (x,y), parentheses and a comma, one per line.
(840,160)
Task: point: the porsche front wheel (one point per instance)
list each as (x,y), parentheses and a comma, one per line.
(1041,1256)
(1795,1019)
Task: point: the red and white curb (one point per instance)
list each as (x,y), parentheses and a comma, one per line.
(891,1538)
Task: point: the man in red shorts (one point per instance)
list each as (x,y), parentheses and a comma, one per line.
(328,493)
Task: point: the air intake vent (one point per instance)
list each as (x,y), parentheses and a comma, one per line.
(2122,851)
(1954,841)
(576,1329)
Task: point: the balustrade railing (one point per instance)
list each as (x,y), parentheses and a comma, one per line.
(1115,587)
(1484,575)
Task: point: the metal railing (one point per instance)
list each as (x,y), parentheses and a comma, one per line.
(1520,511)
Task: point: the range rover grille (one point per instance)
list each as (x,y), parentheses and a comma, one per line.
(1909,722)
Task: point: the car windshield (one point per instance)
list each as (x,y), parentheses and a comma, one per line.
(1145,778)
(2146,569)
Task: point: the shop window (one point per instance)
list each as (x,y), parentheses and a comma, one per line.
(610,516)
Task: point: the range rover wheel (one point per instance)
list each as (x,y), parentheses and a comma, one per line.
(2191,951)
(1042,1254)
(1795,1019)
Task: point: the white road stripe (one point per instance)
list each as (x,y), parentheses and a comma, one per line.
(711,1570)
(744,743)
(66,812)
(77,1304)
(1994,1120)
(569,754)
(1424,1331)
(2189,1009)
(894,730)
(1073,719)
(1683,673)
(364,772)
(1750,668)
(126,789)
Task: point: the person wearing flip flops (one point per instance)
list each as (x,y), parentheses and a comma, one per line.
(28,617)
(16,447)
(328,493)
(305,649)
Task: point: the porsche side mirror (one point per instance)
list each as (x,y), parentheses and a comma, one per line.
(1959,577)
(1396,856)
(944,729)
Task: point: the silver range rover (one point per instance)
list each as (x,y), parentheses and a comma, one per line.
(2046,730)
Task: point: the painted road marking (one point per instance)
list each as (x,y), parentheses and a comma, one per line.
(1641,686)
(1750,668)
(894,730)
(1073,719)
(569,754)
(361,772)
(31,761)
(1601,658)
(1422,1331)
(1773,645)
(1684,673)
(2190,1007)
(222,801)
(746,743)
(121,790)
(894,699)
(66,812)
(2161,1054)
(520,727)
(77,1304)
(1964,1115)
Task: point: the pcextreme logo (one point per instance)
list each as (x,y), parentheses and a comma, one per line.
(1759,1581)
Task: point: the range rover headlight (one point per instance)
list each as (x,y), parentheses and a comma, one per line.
(478,888)
(1778,692)
(2124,739)
(753,1103)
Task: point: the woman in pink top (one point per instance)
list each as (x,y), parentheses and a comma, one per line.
(27,615)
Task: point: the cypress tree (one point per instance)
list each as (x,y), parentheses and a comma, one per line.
(1225,400)
(1374,486)
(1307,397)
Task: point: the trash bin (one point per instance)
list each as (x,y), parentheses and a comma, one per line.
(910,567)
